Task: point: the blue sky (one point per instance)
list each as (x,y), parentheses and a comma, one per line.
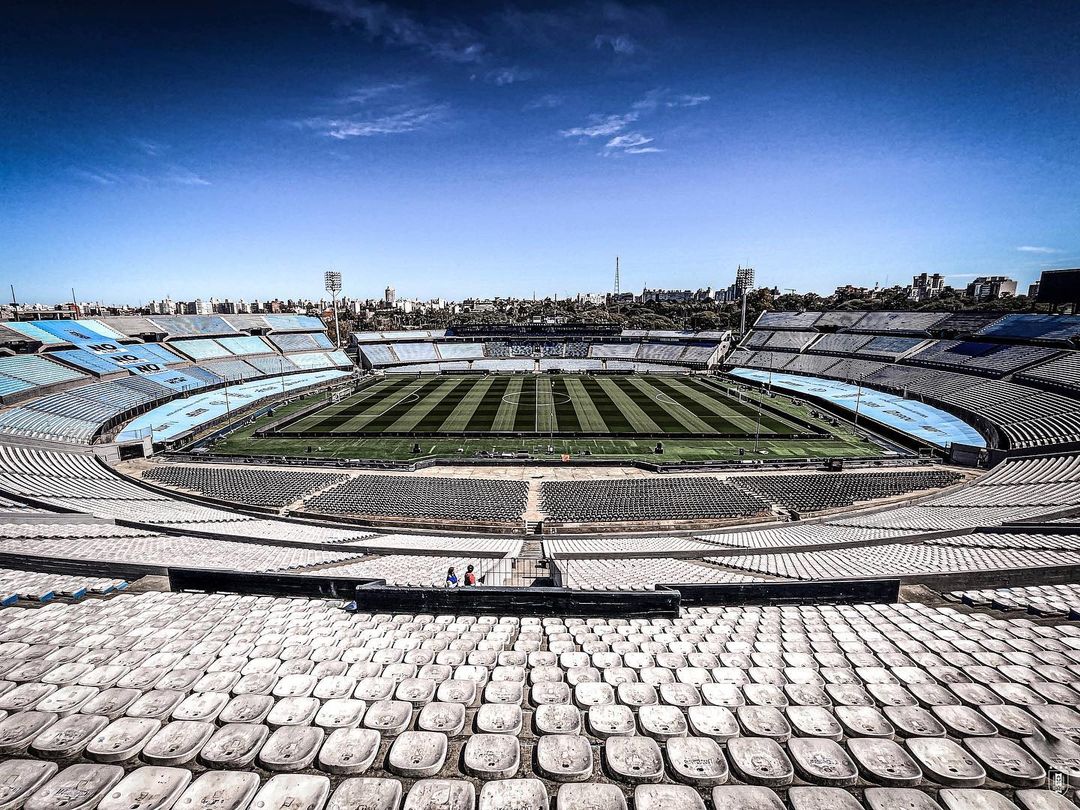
(238,149)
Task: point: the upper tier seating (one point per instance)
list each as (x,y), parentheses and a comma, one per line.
(888,348)
(135,355)
(202,349)
(991,359)
(232,370)
(909,322)
(192,325)
(792,340)
(787,320)
(25,371)
(1048,328)
(616,351)
(416,352)
(301,342)
(291,323)
(1062,373)
(636,499)
(272,364)
(461,351)
(838,319)
(698,353)
(964,323)
(379,354)
(245,345)
(839,343)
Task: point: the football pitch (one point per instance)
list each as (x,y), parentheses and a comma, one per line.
(641,406)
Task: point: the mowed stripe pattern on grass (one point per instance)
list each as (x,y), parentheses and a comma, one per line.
(458,404)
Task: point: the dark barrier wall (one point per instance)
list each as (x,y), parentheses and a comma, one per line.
(519,601)
(375,596)
(778,593)
(197,579)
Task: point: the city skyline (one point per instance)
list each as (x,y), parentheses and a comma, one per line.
(472,150)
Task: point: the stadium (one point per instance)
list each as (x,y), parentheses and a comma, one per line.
(832,563)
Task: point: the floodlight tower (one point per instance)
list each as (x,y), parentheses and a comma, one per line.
(332,281)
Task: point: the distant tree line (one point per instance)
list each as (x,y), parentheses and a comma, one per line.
(697,315)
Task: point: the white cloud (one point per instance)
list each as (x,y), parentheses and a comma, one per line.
(171,175)
(392,122)
(548,101)
(628,141)
(632,143)
(447,41)
(185,177)
(1037,249)
(370,92)
(688,100)
(148,147)
(601,126)
(620,44)
(507,75)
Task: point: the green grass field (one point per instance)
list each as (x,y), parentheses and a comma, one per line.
(839,442)
(571,405)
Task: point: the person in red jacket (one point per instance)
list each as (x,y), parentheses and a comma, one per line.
(470,577)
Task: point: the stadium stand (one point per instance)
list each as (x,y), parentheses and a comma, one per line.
(991,359)
(416,352)
(407,570)
(1011,414)
(174,551)
(291,730)
(379,354)
(647,499)
(549,712)
(1060,329)
(614,351)
(26,371)
(1042,600)
(460,351)
(839,343)
(301,342)
(789,341)
(1061,374)
(895,560)
(888,348)
(258,487)
(837,320)
(642,574)
(644,546)
(246,345)
(192,325)
(42,587)
(200,349)
(787,320)
(914,323)
(234,369)
(272,364)
(813,493)
(423,497)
